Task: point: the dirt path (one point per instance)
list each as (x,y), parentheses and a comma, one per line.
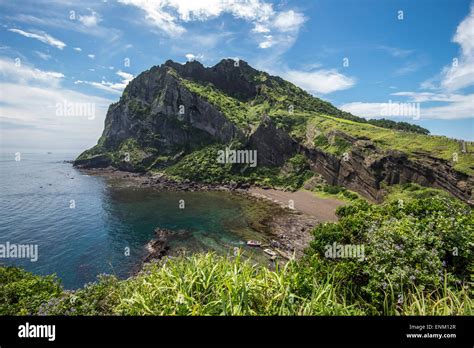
(322,209)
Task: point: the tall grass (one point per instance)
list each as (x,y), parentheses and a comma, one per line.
(206,284)
(444,301)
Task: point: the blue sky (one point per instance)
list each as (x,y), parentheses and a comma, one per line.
(359,55)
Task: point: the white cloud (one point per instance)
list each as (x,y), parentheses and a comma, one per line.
(91,56)
(421,97)
(284,29)
(59,20)
(36,124)
(91,20)
(170,16)
(446,102)
(43,55)
(289,21)
(41,36)
(156,13)
(267,43)
(410,67)
(456,106)
(191,57)
(460,73)
(111,87)
(260,28)
(78,49)
(461,107)
(395,51)
(320,81)
(369,110)
(21,73)
(126,76)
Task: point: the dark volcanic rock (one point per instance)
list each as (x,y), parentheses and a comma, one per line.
(158,247)
(274,146)
(98,161)
(366,169)
(234,81)
(158,122)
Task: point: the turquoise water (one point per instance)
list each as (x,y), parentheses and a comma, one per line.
(78,243)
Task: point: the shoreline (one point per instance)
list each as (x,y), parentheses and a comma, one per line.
(290,228)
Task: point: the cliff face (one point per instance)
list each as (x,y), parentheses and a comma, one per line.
(173,109)
(366,171)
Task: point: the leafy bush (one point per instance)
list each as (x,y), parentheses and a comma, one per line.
(22,293)
(202,166)
(98,298)
(341,191)
(403,126)
(422,243)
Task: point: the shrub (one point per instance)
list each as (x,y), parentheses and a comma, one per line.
(22,293)
(422,243)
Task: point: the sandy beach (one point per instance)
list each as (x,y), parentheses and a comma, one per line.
(323,209)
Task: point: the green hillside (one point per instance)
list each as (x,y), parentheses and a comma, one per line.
(299,113)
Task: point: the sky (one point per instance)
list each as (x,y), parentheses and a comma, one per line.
(63,62)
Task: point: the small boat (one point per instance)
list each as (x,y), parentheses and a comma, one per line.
(270,252)
(254,243)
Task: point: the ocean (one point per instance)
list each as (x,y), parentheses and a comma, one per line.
(85,225)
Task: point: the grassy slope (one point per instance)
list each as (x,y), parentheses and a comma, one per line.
(436,146)
(277,100)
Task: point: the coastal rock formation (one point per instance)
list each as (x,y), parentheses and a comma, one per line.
(158,247)
(173,110)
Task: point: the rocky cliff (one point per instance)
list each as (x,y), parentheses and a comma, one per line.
(173,110)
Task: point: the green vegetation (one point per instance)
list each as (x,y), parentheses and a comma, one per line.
(277,96)
(338,192)
(403,126)
(410,191)
(138,108)
(202,166)
(22,293)
(410,143)
(417,260)
(419,246)
(337,146)
(309,120)
(210,285)
(93,151)
(235,110)
(131,154)
(397,193)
